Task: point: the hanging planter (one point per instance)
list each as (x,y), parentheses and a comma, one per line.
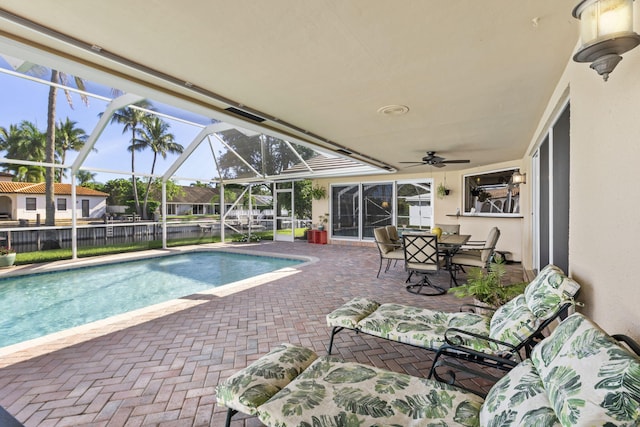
(442,191)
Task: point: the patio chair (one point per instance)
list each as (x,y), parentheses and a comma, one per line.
(392,232)
(388,250)
(579,375)
(495,340)
(475,253)
(421,256)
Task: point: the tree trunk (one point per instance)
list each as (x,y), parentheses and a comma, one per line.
(133,168)
(50,149)
(146,193)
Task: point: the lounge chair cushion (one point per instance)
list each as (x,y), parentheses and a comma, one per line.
(332,392)
(420,326)
(254,385)
(588,376)
(512,322)
(351,313)
(548,290)
(519,399)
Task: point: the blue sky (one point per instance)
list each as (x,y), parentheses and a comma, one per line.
(27,100)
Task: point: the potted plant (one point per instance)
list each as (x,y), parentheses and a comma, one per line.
(7,256)
(487,287)
(318,192)
(323,220)
(442,191)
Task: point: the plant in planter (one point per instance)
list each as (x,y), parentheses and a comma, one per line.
(322,221)
(487,287)
(442,191)
(7,256)
(318,192)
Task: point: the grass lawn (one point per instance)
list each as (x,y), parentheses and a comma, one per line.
(83,252)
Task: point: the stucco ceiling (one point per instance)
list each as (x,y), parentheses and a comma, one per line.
(476,75)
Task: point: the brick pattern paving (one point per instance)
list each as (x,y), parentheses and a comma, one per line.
(163,371)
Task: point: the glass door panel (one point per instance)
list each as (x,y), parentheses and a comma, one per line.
(284,218)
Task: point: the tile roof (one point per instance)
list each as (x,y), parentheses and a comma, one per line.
(38,188)
(194,195)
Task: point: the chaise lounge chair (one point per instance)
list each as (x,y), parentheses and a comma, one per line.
(495,341)
(578,376)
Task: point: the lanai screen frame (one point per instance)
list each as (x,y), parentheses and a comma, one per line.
(223,122)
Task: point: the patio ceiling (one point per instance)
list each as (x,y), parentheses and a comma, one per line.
(476,76)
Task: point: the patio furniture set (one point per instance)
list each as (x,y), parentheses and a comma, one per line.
(578,375)
(426,253)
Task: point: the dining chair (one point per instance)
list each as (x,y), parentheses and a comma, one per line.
(475,254)
(421,256)
(389,251)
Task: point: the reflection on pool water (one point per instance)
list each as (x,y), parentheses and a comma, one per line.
(36,305)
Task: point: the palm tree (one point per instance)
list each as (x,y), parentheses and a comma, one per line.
(132,118)
(57,78)
(24,142)
(155,135)
(84,177)
(68,137)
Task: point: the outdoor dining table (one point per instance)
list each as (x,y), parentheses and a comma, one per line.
(448,245)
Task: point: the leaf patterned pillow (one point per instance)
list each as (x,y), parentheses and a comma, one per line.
(254,385)
(589,378)
(518,399)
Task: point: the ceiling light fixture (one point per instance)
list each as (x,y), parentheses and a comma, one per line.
(606,31)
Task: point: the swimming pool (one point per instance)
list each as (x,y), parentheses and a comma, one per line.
(39,304)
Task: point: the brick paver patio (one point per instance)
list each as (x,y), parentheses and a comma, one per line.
(161,369)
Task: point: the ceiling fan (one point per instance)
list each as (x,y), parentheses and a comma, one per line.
(432,160)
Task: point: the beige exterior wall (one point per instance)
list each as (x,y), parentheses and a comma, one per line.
(511,237)
(604,191)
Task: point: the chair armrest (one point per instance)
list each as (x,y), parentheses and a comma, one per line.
(629,342)
(457,341)
(472,307)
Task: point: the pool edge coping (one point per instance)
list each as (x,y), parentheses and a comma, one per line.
(19,352)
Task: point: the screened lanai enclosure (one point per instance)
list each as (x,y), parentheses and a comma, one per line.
(72,149)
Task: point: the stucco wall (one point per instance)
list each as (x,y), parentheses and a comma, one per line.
(604,195)
(97,207)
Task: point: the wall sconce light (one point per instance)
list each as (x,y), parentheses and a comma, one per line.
(519,178)
(606,31)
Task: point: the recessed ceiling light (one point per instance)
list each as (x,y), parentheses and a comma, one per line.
(393,110)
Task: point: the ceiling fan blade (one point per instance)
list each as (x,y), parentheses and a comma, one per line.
(418,163)
(456,161)
(439,165)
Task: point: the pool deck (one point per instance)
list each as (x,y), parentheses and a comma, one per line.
(159,366)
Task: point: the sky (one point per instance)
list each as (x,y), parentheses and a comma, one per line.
(22,99)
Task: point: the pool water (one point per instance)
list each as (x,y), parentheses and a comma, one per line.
(36,305)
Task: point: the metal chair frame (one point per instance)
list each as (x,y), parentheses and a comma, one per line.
(422,249)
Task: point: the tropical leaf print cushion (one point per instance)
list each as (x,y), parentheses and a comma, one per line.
(420,326)
(518,399)
(351,313)
(588,376)
(548,291)
(332,392)
(254,385)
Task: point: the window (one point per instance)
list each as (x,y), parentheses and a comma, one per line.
(492,194)
(62,204)
(31,203)
(357,209)
(414,208)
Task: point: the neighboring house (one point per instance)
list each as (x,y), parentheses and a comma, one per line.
(26,201)
(192,201)
(199,201)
